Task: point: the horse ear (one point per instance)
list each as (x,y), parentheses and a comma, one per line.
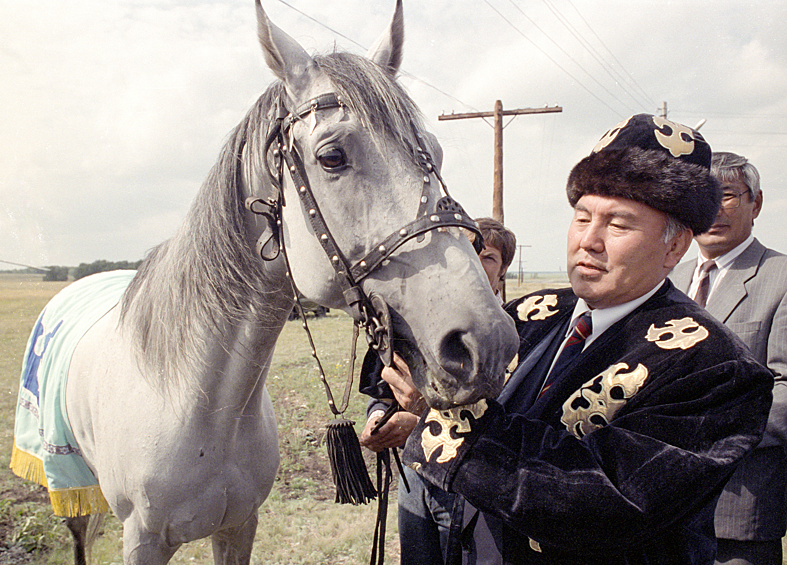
(284,56)
(387,50)
(436,149)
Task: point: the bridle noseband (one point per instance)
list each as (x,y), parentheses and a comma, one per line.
(369,311)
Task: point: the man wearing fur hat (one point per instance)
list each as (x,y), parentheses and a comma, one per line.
(630,406)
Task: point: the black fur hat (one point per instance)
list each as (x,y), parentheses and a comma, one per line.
(654,161)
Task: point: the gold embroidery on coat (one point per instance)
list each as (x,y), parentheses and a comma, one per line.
(512,365)
(538,304)
(595,404)
(685,333)
(448,419)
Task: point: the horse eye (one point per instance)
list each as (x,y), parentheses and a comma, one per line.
(333,159)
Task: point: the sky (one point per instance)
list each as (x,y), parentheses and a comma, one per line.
(112,112)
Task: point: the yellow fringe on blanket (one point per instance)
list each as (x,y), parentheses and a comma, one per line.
(78,501)
(71,502)
(28,466)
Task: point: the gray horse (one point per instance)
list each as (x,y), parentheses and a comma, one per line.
(166,394)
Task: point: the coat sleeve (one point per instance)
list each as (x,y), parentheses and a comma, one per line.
(666,455)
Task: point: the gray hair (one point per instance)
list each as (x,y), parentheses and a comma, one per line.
(729,167)
(672,228)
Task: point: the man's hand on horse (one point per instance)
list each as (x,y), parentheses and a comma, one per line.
(398,377)
(391,434)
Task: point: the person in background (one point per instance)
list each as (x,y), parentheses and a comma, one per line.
(630,406)
(744,285)
(425,511)
(498,252)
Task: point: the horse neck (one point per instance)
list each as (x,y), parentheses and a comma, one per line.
(200,339)
(238,357)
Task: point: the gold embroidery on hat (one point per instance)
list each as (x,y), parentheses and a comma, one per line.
(610,136)
(675,142)
(685,333)
(538,304)
(448,419)
(595,404)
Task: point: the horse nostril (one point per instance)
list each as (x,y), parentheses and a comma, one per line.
(456,358)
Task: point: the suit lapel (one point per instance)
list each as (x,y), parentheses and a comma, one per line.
(681,275)
(732,288)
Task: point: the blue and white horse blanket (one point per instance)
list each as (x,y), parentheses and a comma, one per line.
(45,450)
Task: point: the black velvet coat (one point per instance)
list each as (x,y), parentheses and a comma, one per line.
(622,459)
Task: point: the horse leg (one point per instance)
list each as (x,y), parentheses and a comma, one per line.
(84,530)
(141,547)
(78,528)
(233,546)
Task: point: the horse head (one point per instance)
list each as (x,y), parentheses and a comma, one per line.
(355,140)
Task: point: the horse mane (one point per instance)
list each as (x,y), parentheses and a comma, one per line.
(207,275)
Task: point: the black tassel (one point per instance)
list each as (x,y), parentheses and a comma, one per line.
(348,468)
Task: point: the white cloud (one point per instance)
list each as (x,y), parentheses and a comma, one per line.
(113,112)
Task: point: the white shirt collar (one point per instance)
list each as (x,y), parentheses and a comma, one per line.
(724,261)
(604,318)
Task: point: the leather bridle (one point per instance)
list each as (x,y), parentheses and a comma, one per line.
(369,311)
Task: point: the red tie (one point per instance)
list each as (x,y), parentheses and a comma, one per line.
(573,347)
(703,287)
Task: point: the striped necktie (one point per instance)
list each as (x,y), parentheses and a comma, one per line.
(573,347)
(701,297)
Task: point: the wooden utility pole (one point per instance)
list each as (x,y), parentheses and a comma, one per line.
(497,114)
(521,277)
(497,175)
(497,186)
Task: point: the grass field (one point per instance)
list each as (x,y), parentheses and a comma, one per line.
(299,523)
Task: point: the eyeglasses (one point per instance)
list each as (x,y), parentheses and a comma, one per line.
(731,200)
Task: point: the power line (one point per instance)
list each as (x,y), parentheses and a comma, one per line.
(340,34)
(401,71)
(44,269)
(433,87)
(610,70)
(558,65)
(577,63)
(647,97)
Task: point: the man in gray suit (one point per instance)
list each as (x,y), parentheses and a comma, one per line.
(744,284)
